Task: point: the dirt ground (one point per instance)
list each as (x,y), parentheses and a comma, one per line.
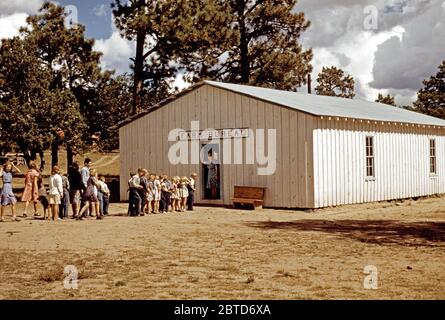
(218,253)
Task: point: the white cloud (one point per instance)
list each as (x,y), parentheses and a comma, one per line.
(117,52)
(386,60)
(100,10)
(10,25)
(9,7)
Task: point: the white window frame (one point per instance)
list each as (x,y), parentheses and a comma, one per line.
(432,156)
(370,158)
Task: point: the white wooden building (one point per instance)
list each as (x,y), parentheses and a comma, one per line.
(329,151)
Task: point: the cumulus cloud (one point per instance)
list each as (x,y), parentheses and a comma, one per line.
(13,15)
(404,63)
(405,47)
(10,25)
(117,52)
(19,6)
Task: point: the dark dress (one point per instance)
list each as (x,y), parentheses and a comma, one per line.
(212,177)
(91,191)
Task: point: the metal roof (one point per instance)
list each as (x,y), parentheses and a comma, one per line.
(332,106)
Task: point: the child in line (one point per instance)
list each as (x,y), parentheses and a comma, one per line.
(65,203)
(43,197)
(55,192)
(7,196)
(105,191)
(184,193)
(31,193)
(173,196)
(157,189)
(166,194)
(150,194)
(90,196)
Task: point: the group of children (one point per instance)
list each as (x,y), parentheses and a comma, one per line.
(151,193)
(93,194)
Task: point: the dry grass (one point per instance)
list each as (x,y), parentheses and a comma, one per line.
(105,163)
(217,253)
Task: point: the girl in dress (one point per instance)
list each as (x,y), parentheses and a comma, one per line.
(90,196)
(184,192)
(151,194)
(7,196)
(31,192)
(157,188)
(174,196)
(55,192)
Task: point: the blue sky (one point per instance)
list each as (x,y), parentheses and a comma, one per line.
(95,15)
(403,48)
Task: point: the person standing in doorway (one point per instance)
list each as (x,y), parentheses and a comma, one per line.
(212,178)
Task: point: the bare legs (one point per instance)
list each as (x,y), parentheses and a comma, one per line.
(25,212)
(55,211)
(13,211)
(88,204)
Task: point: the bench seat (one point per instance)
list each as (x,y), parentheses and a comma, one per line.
(248,195)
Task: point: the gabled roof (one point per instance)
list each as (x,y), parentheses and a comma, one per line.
(313,104)
(332,106)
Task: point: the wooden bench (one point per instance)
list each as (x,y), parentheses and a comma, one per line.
(248,195)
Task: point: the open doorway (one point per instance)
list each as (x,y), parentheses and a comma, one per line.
(211,171)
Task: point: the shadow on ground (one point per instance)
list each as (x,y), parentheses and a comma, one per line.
(429,234)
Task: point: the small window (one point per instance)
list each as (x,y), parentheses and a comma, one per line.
(433,167)
(370,170)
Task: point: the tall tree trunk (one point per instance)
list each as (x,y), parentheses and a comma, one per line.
(42,159)
(138,72)
(69,157)
(55,152)
(29,155)
(244,49)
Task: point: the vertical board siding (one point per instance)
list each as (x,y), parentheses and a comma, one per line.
(401,156)
(143,143)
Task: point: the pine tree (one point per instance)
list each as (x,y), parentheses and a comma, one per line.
(431,98)
(334,82)
(386,100)
(159,29)
(252,42)
(72,62)
(31,111)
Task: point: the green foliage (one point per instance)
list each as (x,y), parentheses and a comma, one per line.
(386,100)
(159,31)
(431,98)
(113,104)
(254,42)
(334,82)
(50,80)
